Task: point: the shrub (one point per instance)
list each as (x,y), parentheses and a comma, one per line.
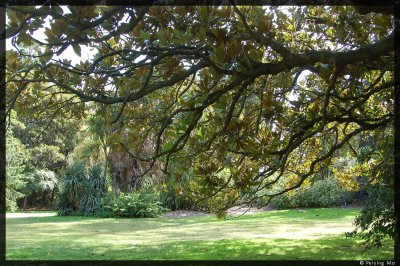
(95,189)
(283,202)
(89,201)
(379,208)
(172,195)
(144,203)
(377,220)
(40,184)
(11,204)
(96,178)
(323,193)
(81,190)
(172,198)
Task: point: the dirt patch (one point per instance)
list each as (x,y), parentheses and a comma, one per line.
(240,210)
(357,204)
(184,213)
(237,210)
(30,214)
(44,209)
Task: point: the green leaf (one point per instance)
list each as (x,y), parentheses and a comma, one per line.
(13,16)
(124,27)
(168,146)
(162,38)
(24,38)
(202,34)
(256,54)
(49,33)
(57,9)
(48,54)
(117,38)
(203,12)
(77,49)
(220,52)
(144,35)
(200,133)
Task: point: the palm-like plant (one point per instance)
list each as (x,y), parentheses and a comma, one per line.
(74,184)
(82,189)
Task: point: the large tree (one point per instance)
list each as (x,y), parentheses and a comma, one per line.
(257,93)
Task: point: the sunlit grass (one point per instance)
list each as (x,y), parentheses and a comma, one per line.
(267,235)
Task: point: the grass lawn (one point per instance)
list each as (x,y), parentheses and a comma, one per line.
(316,234)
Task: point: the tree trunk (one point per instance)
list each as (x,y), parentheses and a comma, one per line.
(105,162)
(52,195)
(25,203)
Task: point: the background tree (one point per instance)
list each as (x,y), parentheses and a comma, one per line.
(47,133)
(16,156)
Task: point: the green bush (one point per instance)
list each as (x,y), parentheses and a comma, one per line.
(40,184)
(172,193)
(283,202)
(173,200)
(81,190)
(144,203)
(95,189)
(377,220)
(379,208)
(89,201)
(323,193)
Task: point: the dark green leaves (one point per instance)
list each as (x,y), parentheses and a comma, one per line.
(77,49)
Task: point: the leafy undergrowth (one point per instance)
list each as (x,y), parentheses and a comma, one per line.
(316,234)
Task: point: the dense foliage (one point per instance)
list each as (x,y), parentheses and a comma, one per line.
(377,220)
(84,192)
(242,96)
(38,144)
(15,159)
(323,193)
(144,203)
(172,193)
(81,190)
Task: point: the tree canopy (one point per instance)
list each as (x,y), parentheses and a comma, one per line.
(244,95)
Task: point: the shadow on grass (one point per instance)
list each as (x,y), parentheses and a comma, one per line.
(273,225)
(277,216)
(259,236)
(335,248)
(154,229)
